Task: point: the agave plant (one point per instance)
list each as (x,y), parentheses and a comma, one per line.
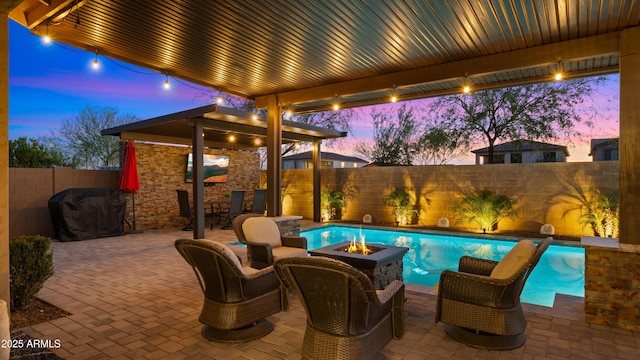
(401,201)
(330,202)
(486,209)
(600,211)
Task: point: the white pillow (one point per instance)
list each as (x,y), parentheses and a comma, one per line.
(263,230)
(514,260)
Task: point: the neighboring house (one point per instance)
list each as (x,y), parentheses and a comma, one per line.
(605,149)
(522,152)
(327,160)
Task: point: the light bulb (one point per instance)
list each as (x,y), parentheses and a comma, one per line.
(166,84)
(254,117)
(288,114)
(336,107)
(95,65)
(394,98)
(257,141)
(232,138)
(46,39)
(466,89)
(558,76)
(219,100)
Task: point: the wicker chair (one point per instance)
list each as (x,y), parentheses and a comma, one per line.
(346,317)
(264,242)
(236,299)
(480,303)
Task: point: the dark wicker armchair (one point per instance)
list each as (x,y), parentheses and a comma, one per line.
(346,317)
(480,303)
(236,299)
(264,242)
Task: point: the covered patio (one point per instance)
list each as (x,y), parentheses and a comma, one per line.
(134,297)
(308,56)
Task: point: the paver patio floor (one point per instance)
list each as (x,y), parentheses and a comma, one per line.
(134,297)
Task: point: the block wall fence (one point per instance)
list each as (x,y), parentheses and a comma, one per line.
(547,193)
(161,170)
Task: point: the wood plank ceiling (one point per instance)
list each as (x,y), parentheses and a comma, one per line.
(357,52)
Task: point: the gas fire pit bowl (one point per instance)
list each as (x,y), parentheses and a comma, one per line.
(382,266)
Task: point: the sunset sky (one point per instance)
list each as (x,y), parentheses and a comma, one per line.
(52,83)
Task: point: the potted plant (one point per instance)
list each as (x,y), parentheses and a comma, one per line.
(600,211)
(486,209)
(402,203)
(331,202)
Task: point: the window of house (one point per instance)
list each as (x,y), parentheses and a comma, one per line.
(498,159)
(326,164)
(611,154)
(516,158)
(549,156)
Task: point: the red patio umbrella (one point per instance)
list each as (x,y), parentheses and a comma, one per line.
(129,182)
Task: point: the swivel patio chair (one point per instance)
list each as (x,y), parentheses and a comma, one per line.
(346,317)
(236,299)
(480,303)
(264,242)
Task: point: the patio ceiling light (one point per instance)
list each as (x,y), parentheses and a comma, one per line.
(394,96)
(257,141)
(231,138)
(558,76)
(219,100)
(466,89)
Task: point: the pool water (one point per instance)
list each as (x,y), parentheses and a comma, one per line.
(559,271)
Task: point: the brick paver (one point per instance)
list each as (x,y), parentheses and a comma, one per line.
(134,297)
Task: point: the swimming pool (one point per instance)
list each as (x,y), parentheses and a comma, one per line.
(560,270)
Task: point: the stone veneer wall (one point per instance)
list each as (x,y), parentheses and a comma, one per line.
(546,192)
(162,170)
(612,286)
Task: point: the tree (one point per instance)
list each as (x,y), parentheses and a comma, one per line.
(30,153)
(438,145)
(394,138)
(80,138)
(539,111)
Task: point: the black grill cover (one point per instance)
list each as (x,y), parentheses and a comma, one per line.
(87,213)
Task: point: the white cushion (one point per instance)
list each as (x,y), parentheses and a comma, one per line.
(514,260)
(228,252)
(285,252)
(262,230)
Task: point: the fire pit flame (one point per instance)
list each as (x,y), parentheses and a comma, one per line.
(359,247)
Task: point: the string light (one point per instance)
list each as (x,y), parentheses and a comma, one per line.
(46,39)
(288,114)
(558,76)
(231,138)
(95,65)
(393,98)
(219,100)
(257,141)
(336,106)
(466,89)
(166,85)
(254,117)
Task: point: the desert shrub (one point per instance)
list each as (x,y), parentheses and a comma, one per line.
(486,209)
(330,202)
(30,265)
(600,211)
(402,203)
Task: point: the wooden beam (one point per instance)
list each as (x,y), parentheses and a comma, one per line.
(274,157)
(530,57)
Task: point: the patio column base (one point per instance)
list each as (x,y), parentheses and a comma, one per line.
(484,340)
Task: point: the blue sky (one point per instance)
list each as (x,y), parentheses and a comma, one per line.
(52,83)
